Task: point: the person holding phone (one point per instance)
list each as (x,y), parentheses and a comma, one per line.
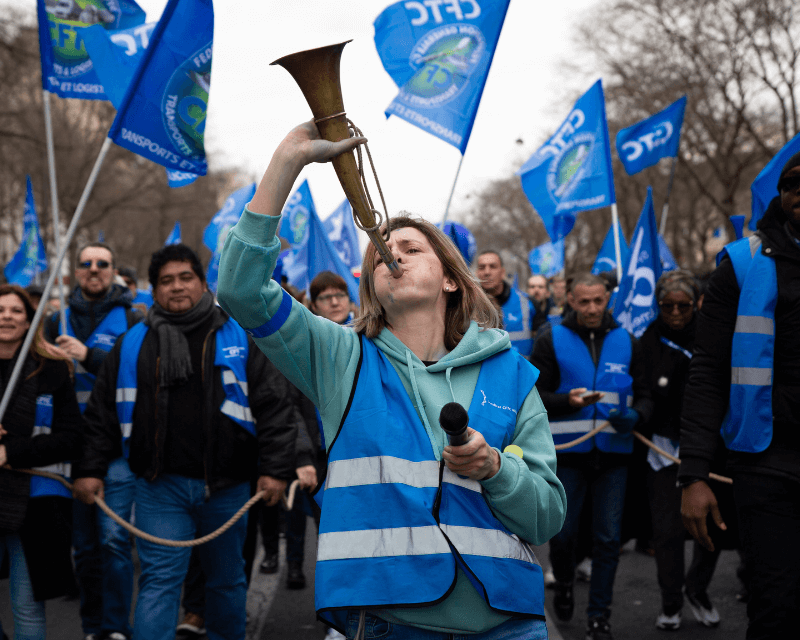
(592,371)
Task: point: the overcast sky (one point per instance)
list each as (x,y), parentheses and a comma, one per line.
(252,104)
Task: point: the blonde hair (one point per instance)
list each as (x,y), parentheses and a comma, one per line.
(468,302)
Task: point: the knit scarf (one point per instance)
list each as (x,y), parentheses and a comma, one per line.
(175,366)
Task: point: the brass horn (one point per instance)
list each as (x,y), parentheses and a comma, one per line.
(316,72)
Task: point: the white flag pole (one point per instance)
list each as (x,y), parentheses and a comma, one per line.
(617,250)
(450,199)
(73,225)
(51,164)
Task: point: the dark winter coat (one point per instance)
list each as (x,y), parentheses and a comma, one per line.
(707,393)
(43,523)
(232,455)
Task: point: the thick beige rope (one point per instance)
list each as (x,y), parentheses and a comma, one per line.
(288,501)
(641,438)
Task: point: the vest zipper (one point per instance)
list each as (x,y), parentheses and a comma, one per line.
(157,449)
(594,380)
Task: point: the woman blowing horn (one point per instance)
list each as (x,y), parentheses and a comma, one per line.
(415,534)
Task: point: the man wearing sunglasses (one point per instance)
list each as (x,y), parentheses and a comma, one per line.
(744,384)
(99,312)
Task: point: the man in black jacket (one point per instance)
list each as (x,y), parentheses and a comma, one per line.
(197,410)
(744,383)
(591,370)
(99,312)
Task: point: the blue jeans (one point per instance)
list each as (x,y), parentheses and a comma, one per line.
(103,560)
(175,507)
(29,621)
(607,488)
(379,628)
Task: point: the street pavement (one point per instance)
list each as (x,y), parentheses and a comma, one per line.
(276,613)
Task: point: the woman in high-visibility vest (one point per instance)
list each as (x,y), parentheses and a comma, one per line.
(41,429)
(415,533)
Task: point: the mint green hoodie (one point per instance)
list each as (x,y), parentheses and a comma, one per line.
(320,358)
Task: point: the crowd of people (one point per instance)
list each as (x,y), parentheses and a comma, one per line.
(175,410)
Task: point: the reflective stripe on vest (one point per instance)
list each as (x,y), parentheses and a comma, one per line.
(747,425)
(517,321)
(230,355)
(42,426)
(103,337)
(611,377)
(380,543)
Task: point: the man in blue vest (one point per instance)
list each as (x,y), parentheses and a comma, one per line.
(518,312)
(99,312)
(198,411)
(744,384)
(591,372)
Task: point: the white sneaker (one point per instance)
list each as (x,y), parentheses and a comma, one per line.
(116,635)
(333,634)
(549,578)
(669,623)
(583,571)
(703,610)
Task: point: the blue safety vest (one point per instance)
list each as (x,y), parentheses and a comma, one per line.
(517,321)
(396,522)
(230,355)
(611,376)
(747,425)
(104,336)
(42,426)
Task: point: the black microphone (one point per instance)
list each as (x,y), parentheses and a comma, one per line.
(454,420)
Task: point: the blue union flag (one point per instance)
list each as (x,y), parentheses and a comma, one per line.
(571,172)
(439,54)
(31,258)
(67,70)
(163,114)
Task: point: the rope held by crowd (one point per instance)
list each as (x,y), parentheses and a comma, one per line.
(641,438)
(288,502)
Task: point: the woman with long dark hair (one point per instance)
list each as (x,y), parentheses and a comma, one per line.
(41,429)
(418,538)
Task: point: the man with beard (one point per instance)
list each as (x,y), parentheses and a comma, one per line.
(744,383)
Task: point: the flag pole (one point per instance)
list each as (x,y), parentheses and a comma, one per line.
(452,191)
(51,164)
(665,210)
(617,249)
(37,317)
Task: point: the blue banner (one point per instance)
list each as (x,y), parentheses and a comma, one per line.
(342,233)
(668,262)
(174,236)
(217,230)
(312,250)
(636,305)
(606,259)
(645,143)
(115,56)
(163,114)
(439,54)
(547,259)
(765,186)
(462,238)
(738,226)
(571,172)
(67,70)
(31,259)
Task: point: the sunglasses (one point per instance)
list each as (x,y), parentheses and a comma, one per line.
(683,307)
(87,264)
(791,183)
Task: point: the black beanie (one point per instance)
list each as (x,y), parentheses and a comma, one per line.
(793,162)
